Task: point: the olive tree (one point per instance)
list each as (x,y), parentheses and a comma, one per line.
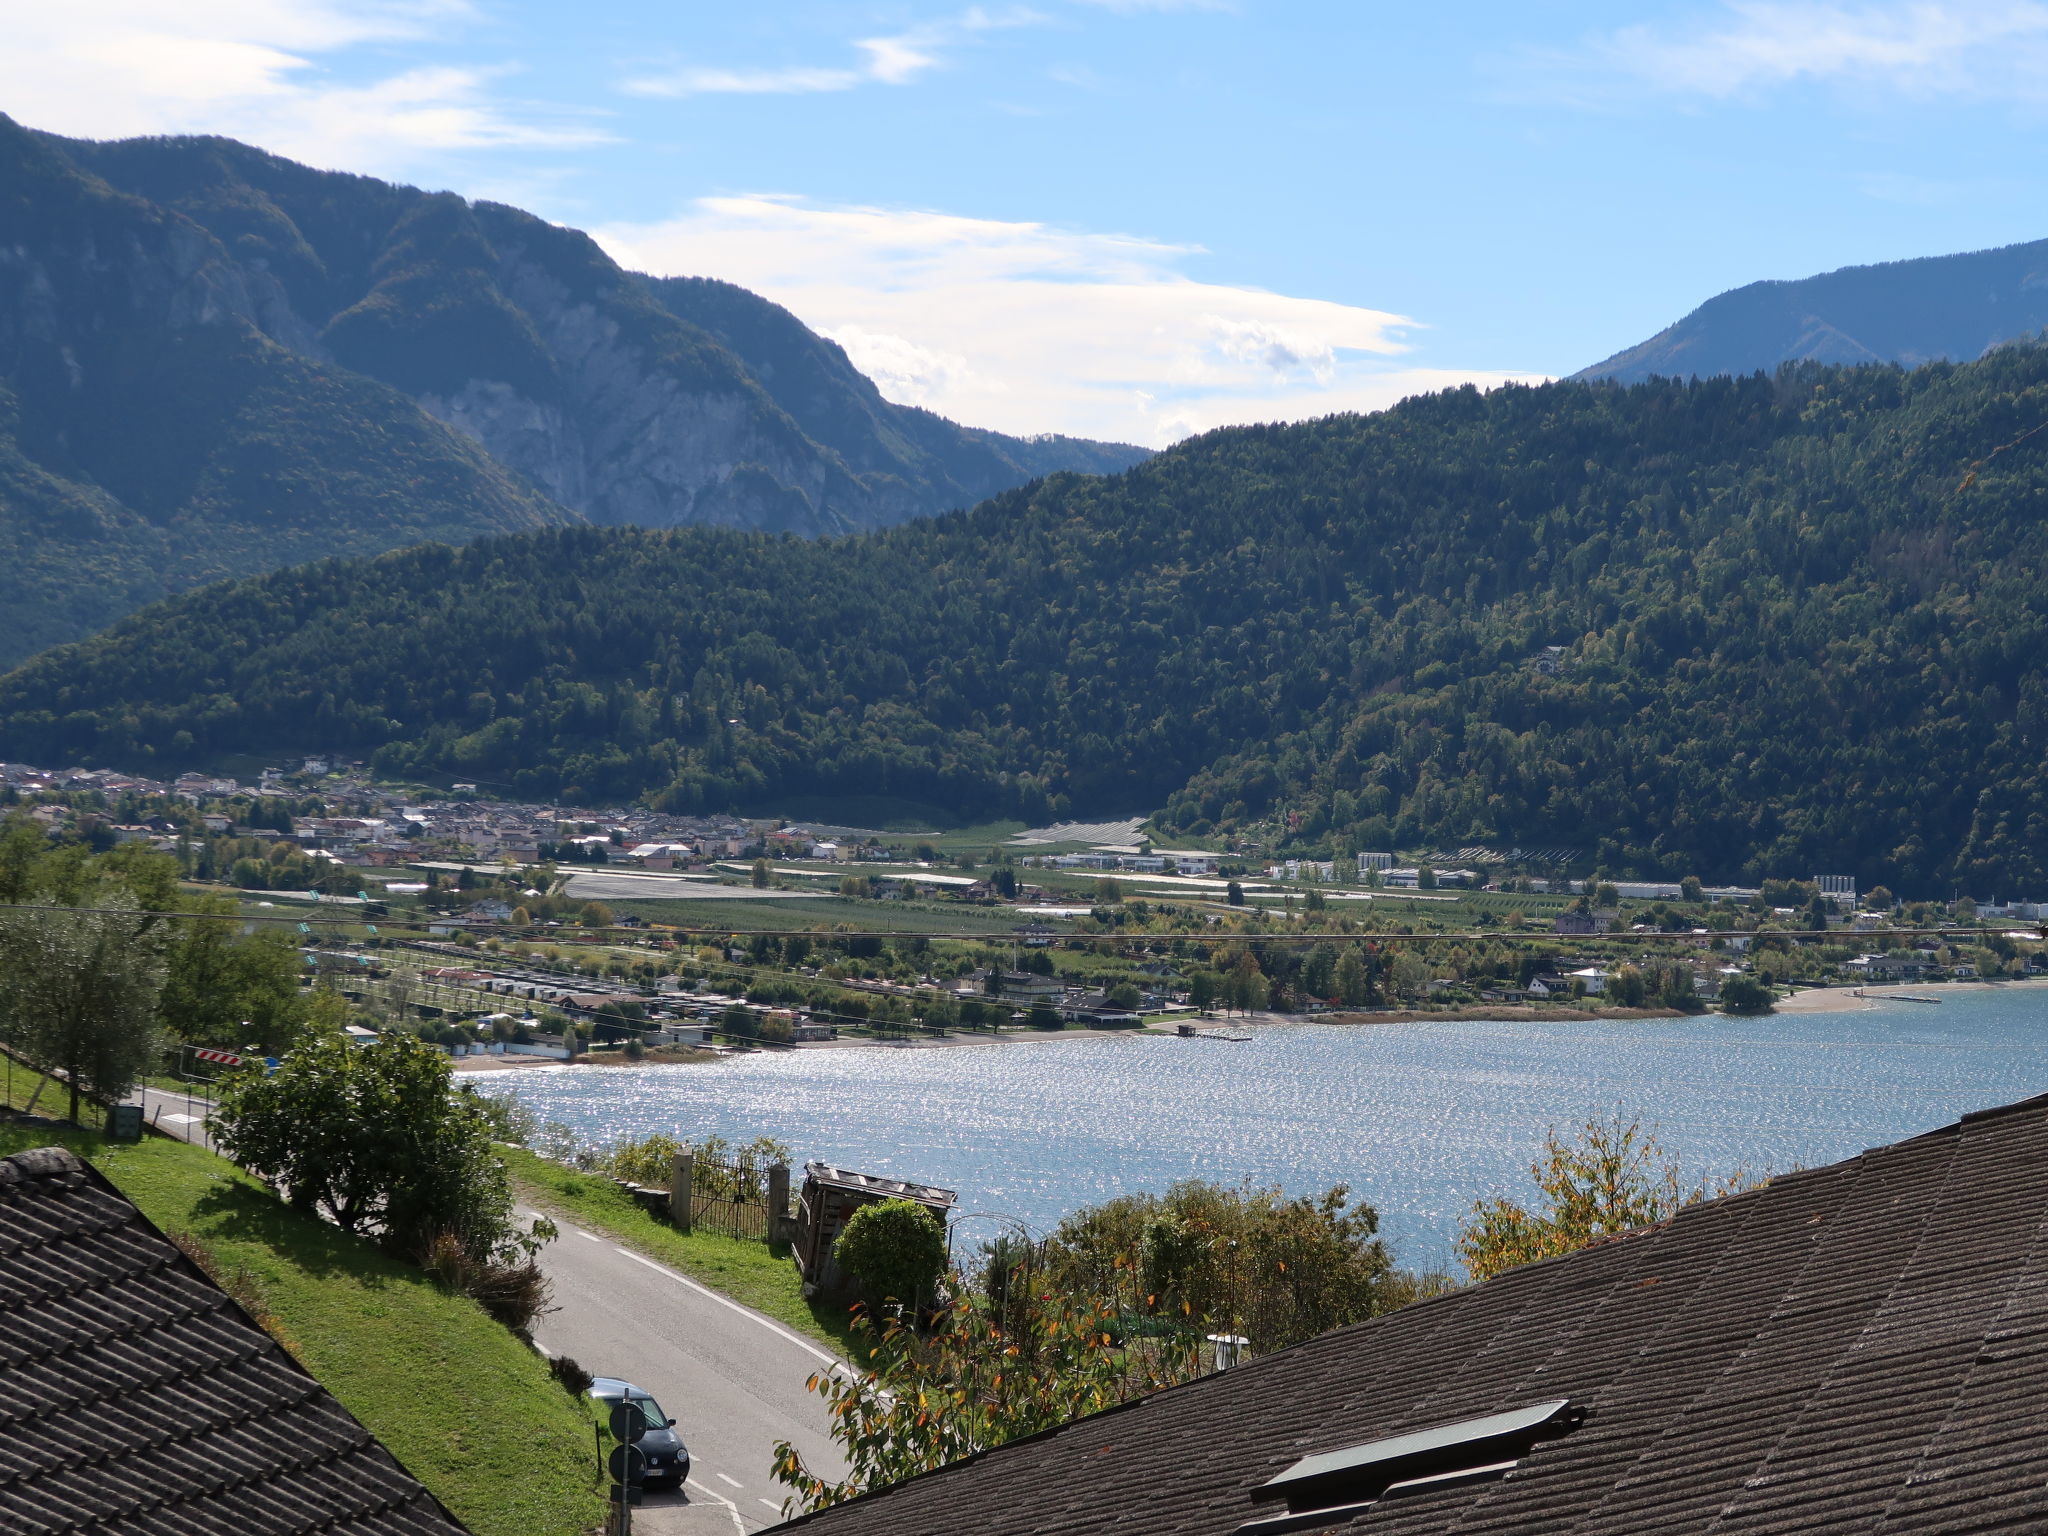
(78,993)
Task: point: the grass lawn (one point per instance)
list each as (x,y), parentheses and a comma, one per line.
(470,1410)
(750,1273)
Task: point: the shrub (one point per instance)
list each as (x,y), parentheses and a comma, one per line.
(574,1379)
(894,1249)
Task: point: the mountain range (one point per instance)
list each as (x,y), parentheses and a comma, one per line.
(1737,627)
(214,361)
(1938,307)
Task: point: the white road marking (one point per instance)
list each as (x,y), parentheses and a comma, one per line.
(591,1235)
(730,1482)
(180,1119)
(773,1505)
(726,1301)
(716,1497)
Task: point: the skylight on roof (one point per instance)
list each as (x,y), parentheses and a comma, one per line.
(1333,1486)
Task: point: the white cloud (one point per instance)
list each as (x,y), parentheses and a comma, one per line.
(897,59)
(1027,328)
(251,69)
(1919,49)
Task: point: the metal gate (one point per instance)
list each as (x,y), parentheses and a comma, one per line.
(730,1195)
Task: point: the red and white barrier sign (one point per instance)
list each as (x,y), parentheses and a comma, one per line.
(226,1058)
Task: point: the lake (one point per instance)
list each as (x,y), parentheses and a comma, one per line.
(1420,1119)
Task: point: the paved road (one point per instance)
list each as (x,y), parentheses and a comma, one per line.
(732,1378)
(181,1115)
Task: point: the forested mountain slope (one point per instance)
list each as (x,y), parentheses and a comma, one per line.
(1801,623)
(1952,308)
(155,434)
(214,361)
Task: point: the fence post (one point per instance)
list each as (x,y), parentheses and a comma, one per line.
(778,1203)
(682,1175)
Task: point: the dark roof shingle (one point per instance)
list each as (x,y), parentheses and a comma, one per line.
(136,1397)
(1857,1348)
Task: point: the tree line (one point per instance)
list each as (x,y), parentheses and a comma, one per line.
(1731,627)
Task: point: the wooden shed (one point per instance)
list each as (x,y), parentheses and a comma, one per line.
(830,1195)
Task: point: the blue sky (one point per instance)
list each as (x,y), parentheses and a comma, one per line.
(1137,218)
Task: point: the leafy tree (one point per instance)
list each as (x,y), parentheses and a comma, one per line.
(1204,987)
(226,988)
(1614,1176)
(895,1250)
(1044,1016)
(1245,987)
(376,1139)
(1353,980)
(1319,971)
(595,914)
(1123,995)
(760,874)
(78,994)
(1745,994)
(1108,892)
(1626,988)
(1409,973)
(1234,894)
(1690,889)
(979,1376)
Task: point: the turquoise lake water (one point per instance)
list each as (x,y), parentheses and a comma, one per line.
(1420,1119)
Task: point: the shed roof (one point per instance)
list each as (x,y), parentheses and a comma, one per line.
(137,1399)
(1856,1348)
(875,1184)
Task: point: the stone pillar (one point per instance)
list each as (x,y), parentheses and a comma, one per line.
(779,1222)
(681,1177)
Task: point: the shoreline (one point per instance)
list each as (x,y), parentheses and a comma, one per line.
(1861,999)
(1809,1000)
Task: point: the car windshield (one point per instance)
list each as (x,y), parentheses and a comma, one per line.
(656,1419)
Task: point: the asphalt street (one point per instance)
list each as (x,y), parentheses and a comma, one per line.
(732,1378)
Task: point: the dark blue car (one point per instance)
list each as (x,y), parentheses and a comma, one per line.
(668,1459)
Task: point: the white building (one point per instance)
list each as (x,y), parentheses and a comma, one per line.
(1839,889)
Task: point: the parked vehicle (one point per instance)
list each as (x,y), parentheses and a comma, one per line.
(668,1459)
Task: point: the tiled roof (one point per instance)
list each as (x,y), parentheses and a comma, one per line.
(136,1398)
(1861,1348)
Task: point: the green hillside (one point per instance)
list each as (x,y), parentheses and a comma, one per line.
(1791,638)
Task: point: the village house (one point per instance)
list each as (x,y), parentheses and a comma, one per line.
(1014,986)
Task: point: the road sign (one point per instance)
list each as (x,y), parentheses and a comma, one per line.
(628,1465)
(628,1421)
(225,1058)
(124,1122)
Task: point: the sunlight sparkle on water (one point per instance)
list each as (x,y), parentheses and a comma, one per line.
(1419,1119)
